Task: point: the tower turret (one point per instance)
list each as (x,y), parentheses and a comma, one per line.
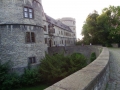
(21,12)
(21,32)
(71,22)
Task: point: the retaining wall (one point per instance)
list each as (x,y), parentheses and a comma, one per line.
(85,50)
(92,77)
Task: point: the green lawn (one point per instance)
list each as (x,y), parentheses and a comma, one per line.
(41,87)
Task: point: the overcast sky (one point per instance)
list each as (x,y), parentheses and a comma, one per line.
(78,9)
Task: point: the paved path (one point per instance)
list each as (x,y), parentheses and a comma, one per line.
(114,82)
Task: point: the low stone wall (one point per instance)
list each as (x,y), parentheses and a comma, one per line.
(92,77)
(85,50)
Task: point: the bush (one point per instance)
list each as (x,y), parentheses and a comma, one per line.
(8,81)
(92,57)
(56,67)
(4,68)
(30,77)
(79,60)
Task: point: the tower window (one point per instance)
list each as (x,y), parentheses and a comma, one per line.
(30,37)
(45,40)
(45,28)
(31,60)
(28,12)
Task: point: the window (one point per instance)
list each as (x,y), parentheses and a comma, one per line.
(28,12)
(62,41)
(53,30)
(30,37)
(44,28)
(45,40)
(61,32)
(31,60)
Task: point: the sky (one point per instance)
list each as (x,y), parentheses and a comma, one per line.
(78,9)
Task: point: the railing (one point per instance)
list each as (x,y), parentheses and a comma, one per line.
(92,77)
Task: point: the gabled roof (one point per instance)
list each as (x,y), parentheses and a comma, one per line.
(57,23)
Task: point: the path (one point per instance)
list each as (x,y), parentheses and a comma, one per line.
(114,82)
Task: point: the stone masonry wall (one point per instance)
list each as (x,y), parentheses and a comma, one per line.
(13,27)
(11,12)
(85,50)
(13,46)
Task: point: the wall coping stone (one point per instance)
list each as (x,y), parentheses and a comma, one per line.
(86,78)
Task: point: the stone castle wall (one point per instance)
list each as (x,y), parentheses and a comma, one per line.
(13,45)
(13,28)
(85,50)
(12,12)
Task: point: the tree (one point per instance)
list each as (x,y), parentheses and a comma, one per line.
(89,30)
(104,28)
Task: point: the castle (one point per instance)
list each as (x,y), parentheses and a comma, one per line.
(26,32)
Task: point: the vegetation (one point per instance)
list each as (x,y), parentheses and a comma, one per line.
(56,67)
(39,87)
(52,69)
(92,57)
(8,81)
(30,77)
(102,29)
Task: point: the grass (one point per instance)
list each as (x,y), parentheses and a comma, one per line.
(41,87)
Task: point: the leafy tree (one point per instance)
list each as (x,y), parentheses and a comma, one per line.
(90,28)
(104,28)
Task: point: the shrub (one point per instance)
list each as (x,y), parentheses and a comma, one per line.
(30,77)
(92,57)
(56,67)
(4,68)
(79,60)
(8,81)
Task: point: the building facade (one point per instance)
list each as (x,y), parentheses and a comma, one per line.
(56,33)
(26,32)
(21,32)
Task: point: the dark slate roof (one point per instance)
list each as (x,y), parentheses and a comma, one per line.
(57,23)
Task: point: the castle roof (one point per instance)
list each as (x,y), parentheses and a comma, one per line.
(57,23)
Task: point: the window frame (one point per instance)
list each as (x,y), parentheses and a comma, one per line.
(30,38)
(46,40)
(28,12)
(32,60)
(45,28)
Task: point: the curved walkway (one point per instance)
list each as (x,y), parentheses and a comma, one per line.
(114,81)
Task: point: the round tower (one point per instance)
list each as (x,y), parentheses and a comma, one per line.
(71,22)
(21,32)
(21,12)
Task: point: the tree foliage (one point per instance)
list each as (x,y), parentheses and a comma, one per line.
(92,57)
(104,28)
(56,67)
(8,81)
